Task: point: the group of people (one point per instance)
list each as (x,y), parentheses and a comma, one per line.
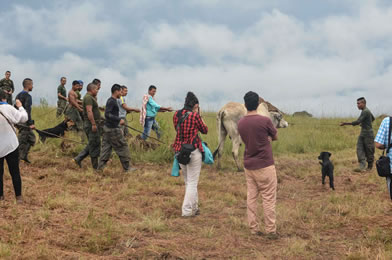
(256,131)
(103,134)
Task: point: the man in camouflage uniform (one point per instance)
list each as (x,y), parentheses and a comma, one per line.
(74,108)
(7,85)
(365,144)
(113,138)
(92,117)
(26,135)
(62,97)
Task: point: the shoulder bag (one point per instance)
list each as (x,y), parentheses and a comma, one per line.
(184,155)
(383,163)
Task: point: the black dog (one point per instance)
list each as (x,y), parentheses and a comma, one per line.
(54,132)
(326,168)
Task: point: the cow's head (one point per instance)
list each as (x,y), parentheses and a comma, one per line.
(278,121)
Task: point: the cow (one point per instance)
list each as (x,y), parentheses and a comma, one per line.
(227,124)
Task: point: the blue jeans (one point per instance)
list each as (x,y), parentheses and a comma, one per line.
(151,123)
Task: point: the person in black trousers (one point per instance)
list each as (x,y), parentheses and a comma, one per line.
(9,143)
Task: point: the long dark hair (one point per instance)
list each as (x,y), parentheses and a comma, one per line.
(190,101)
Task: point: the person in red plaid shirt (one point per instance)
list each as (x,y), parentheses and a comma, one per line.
(188,133)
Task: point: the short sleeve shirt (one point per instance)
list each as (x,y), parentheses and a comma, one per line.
(61,89)
(382,136)
(122,112)
(89,100)
(254,131)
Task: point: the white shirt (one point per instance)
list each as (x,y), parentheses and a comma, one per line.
(8,139)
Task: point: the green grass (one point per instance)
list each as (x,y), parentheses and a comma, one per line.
(73,213)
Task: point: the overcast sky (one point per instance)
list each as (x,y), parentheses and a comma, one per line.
(309,55)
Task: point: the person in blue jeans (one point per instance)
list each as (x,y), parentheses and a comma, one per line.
(149,112)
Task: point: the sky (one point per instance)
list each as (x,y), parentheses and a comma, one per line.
(318,56)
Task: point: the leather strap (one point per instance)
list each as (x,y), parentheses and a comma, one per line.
(12,126)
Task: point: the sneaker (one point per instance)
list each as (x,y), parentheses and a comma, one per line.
(19,199)
(197,213)
(79,163)
(272,236)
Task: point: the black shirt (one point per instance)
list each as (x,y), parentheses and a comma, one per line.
(112,119)
(27,102)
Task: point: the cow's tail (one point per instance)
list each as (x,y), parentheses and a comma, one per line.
(221,131)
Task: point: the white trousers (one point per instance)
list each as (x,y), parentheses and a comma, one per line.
(191,173)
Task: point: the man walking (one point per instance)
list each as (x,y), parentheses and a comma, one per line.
(92,117)
(112,135)
(256,132)
(7,85)
(365,144)
(74,108)
(149,111)
(26,135)
(124,109)
(62,97)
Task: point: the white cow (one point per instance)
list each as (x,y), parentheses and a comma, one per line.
(227,123)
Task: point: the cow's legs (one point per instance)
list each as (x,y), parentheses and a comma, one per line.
(221,145)
(236,146)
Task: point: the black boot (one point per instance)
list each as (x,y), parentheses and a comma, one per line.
(94,162)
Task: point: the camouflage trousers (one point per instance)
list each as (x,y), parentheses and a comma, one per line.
(114,139)
(61,105)
(26,139)
(124,127)
(73,114)
(93,147)
(365,150)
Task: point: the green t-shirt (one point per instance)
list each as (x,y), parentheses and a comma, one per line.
(89,100)
(365,120)
(61,89)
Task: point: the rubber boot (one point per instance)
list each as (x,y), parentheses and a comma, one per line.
(94,162)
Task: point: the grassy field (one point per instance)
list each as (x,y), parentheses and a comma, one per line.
(72,213)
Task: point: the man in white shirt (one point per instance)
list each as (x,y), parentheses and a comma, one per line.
(124,109)
(9,143)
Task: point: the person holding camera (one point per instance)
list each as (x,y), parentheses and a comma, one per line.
(9,143)
(188,123)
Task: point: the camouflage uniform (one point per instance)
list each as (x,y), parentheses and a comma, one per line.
(113,138)
(365,144)
(26,135)
(26,139)
(93,148)
(61,103)
(7,85)
(73,114)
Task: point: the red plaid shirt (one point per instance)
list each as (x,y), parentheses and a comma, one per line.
(189,129)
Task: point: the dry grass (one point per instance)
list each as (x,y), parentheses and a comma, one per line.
(77,214)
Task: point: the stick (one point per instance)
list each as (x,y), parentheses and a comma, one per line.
(146,135)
